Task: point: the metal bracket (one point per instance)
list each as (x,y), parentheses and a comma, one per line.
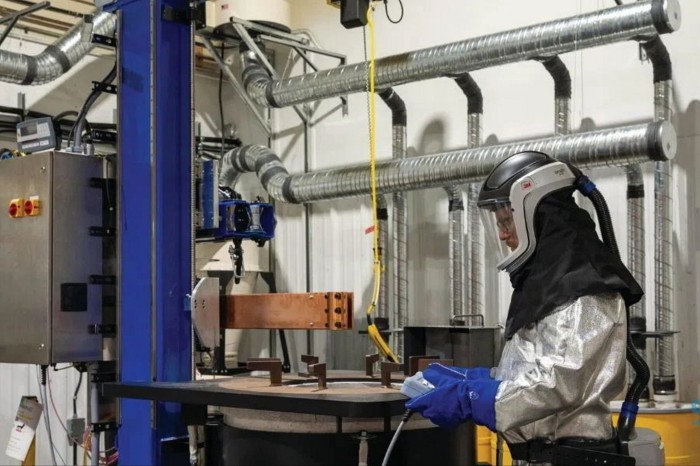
(102,87)
(273,365)
(103,136)
(308,360)
(103,279)
(387,369)
(102,377)
(103,232)
(103,426)
(370,359)
(104,40)
(187,16)
(99,329)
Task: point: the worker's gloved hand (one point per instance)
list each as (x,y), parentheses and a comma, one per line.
(446,406)
(451,404)
(482,395)
(439,374)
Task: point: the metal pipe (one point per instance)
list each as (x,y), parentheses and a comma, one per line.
(383,220)
(455,236)
(614,24)
(665,379)
(608,147)
(562,93)
(399,218)
(57,58)
(475,272)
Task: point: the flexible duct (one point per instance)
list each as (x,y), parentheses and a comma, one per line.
(542,40)
(57,58)
(608,147)
(399,218)
(664,380)
(474,274)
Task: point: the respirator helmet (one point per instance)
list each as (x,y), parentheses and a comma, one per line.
(509,199)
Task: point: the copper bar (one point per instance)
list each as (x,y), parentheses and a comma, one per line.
(308,311)
(370,359)
(308,360)
(387,369)
(424,363)
(319,370)
(274,366)
(413,363)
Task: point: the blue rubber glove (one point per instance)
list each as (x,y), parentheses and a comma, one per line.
(482,397)
(446,406)
(439,375)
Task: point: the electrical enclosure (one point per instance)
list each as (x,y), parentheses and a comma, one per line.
(49,259)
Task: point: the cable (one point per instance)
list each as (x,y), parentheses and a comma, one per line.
(76,131)
(386,9)
(47,420)
(406,416)
(221,103)
(619,2)
(372,330)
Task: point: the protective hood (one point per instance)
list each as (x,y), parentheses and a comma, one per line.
(569,262)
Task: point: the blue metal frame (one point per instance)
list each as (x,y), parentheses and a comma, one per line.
(155,240)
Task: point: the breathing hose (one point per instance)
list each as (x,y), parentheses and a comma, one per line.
(630,407)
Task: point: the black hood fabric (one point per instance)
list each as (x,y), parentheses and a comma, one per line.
(569,262)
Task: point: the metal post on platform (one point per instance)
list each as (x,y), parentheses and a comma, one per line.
(155,217)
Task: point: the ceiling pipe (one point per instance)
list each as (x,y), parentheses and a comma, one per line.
(56,59)
(609,147)
(562,94)
(399,218)
(629,21)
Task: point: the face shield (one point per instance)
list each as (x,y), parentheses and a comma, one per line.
(499,228)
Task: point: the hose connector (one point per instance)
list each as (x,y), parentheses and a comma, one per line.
(627,420)
(585,186)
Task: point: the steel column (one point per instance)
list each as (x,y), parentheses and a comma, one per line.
(155,162)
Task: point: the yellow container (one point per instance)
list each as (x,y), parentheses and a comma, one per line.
(678,427)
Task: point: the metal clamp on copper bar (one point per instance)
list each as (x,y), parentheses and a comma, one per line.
(319,370)
(370,359)
(309,360)
(387,369)
(272,365)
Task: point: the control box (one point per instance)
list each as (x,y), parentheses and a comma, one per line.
(50,264)
(37,135)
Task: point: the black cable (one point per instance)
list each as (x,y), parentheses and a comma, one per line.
(386,9)
(92,97)
(221,102)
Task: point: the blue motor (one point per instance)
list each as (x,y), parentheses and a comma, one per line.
(246,220)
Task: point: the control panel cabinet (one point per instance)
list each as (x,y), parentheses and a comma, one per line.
(49,261)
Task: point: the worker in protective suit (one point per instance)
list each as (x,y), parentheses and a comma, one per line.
(564,359)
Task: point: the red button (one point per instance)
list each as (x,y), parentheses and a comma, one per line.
(12,210)
(28,207)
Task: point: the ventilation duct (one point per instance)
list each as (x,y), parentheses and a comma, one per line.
(629,21)
(58,58)
(617,146)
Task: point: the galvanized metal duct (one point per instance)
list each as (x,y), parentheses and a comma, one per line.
(562,93)
(399,218)
(629,21)
(57,58)
(608,147)
(473,275)
(455,240)
(665,381)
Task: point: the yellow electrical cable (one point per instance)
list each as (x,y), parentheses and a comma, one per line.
(372,329)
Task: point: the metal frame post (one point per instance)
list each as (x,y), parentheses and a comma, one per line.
(155,218)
